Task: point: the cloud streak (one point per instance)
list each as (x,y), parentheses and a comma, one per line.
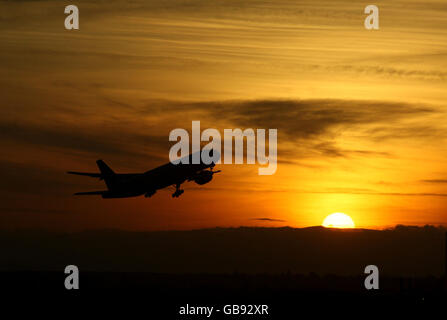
(268,220)
(306,127)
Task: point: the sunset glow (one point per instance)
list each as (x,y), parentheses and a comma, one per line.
(360,114)
(338,220)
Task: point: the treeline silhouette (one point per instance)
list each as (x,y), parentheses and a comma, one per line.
(398,252)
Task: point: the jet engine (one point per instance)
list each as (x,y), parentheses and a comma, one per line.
(203,177)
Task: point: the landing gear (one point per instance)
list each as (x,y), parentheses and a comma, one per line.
(178,192)
(149,194)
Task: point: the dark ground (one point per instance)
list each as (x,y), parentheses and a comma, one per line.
(150,275)
(288,296)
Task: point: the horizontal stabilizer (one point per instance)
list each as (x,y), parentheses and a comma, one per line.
(90,193)
(93,175)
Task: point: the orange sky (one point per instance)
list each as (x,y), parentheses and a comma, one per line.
(360,114)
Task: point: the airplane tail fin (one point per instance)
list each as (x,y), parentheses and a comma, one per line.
(105,169)
(106,173)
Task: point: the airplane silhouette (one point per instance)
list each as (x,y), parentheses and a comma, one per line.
(125,185)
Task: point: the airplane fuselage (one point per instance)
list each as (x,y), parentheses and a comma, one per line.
(137,184)
(124,185)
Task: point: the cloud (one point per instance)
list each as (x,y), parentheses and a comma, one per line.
(350,191)
(301,118)
(435,181)
(390,72)
(406,194)
(309,128)
(268,220)
(94,140)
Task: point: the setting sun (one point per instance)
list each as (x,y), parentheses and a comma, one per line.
(338,220)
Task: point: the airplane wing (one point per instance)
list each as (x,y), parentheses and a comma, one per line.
(89,193)
(93,175)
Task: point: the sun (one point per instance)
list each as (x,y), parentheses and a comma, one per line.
(338,220)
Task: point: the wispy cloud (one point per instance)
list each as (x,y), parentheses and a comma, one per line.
(435,181)
(306,127)
(268,220)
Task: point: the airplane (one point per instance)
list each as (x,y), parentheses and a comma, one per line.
(125,185)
